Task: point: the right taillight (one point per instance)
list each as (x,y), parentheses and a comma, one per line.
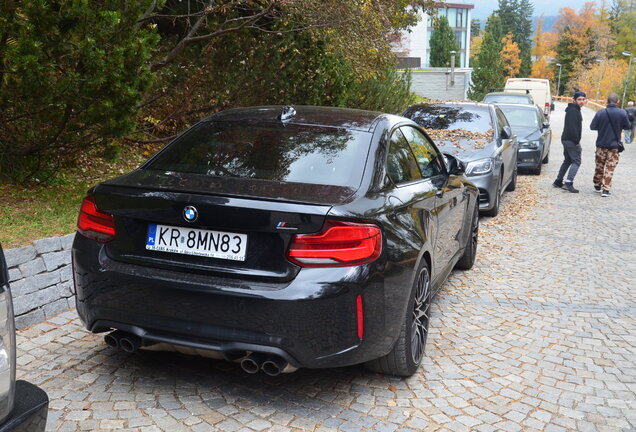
(339,244)
(95,224)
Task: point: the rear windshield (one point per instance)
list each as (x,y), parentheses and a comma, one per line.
(513,99)
(291,153)
(469,118)
(521,117)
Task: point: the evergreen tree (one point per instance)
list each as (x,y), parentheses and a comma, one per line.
(488,69)
(516,18)
(567,53)
(475,28)
(442,43)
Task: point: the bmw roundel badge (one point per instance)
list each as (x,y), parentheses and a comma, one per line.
(190,214)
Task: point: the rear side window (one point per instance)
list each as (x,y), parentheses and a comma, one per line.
(425,153)
(401,164)
(291,153)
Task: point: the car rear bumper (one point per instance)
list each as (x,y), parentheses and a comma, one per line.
(529,158)
(30,409)
(311,321)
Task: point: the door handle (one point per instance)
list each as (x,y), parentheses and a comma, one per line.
(439,192)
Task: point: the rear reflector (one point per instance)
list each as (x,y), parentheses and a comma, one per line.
(339,244)
(360,317)
(95,224)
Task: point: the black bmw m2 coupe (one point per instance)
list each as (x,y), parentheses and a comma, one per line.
(280,238)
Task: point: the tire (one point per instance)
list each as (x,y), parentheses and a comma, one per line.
(546,159)
(537,170)
(407,353)
(513,181)
(495,210)
(467,259)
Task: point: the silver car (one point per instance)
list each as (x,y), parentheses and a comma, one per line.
(480,136)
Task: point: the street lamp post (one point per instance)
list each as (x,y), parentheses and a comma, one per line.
(629,67)
(452,75)
(600,76)
(559,80)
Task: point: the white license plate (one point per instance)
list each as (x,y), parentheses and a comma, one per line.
(192,241)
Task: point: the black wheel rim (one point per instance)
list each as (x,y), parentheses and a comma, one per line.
(421,315)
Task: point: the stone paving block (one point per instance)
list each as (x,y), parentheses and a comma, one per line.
(17,256)
(45,245)
(55,260)
(32,267)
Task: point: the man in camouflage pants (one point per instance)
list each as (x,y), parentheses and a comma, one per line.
(610,123)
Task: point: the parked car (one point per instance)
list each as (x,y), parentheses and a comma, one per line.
(533,134)
(539,88)
(479,135)
(23,406)
(509,98)
(281,237)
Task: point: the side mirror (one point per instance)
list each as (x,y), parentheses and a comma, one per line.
(454,165)
(506,132)
(545,125)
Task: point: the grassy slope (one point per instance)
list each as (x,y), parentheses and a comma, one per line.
(36,211)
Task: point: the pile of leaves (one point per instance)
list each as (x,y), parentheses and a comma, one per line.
(461,137)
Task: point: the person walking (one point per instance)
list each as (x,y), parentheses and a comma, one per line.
(609,123)
(571,140)
(631,115)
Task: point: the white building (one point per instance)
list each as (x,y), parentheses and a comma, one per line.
(412,48)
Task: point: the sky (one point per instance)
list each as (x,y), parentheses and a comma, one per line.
(483,8)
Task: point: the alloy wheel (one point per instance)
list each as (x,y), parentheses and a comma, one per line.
(421,315)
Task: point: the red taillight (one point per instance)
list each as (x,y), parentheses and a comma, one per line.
(95,224)
(339,244)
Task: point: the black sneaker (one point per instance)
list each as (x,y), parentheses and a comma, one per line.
(597,189)
(569,187)
(605,193)
(557,184)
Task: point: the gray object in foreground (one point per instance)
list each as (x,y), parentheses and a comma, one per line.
(23,406)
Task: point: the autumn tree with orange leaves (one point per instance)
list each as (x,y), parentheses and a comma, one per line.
(510,56)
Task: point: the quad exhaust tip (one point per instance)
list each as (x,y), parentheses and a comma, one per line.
(271,364)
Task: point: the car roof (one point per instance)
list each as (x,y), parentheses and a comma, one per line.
(346,118)
(508,93)
(517,106)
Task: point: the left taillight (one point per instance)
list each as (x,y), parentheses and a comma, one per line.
(339,244)
(95,224)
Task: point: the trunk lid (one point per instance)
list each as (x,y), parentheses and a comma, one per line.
(267,212)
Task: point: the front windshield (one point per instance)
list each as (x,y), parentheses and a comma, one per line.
(526,118)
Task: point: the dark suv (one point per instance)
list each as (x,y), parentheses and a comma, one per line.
(23,406)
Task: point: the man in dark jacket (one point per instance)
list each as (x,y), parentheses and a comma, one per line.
(609,123)
(571,140)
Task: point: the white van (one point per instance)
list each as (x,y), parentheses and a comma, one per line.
(539,88)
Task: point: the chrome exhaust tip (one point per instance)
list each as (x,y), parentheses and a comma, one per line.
(129,343)
(252,363)
(273,365)
(113,339)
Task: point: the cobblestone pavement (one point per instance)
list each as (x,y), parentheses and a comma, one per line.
(540,335)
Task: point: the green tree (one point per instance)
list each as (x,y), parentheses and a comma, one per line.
(442,42)
(475,27)
(567,54)
(488,70)
(72,74)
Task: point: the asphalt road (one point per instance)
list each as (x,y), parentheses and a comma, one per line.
(540,335)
